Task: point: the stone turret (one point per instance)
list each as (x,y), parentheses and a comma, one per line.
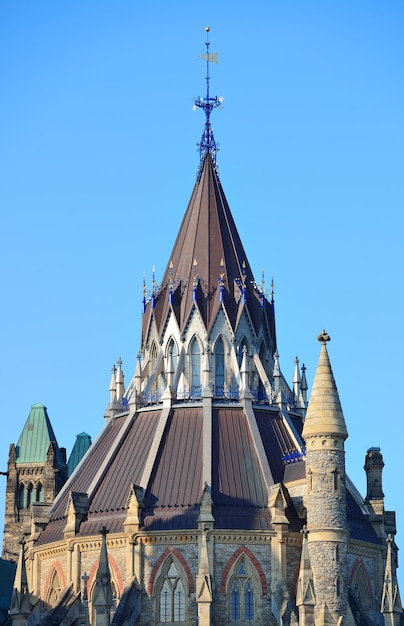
(325,432)
(37,470)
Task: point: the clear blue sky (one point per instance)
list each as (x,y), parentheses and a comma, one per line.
(98,159)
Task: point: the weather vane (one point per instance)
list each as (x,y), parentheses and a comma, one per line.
(208,144)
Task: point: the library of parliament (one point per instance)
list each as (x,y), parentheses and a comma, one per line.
(215,492)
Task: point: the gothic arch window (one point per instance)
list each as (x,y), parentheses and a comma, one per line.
(361,587)
(173,350)
(219,366)
(171,594)
(114,597)
(195,362)
(240,347)
(39,492)
(55,588)
(30,490)
(242,592)
(21,496)
(153,357)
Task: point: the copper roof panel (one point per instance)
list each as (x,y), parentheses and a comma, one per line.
(236,474)
(127,465)
(176,479)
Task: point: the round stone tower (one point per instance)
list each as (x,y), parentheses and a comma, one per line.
(325,432)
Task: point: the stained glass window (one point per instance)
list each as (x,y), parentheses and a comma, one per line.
(172,597)
(242,597)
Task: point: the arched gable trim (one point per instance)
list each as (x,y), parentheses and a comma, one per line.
(360,564)
(224,342)
(171,341)
(244,550)
(195,337)
(168,552)
(55,567)
(116,574)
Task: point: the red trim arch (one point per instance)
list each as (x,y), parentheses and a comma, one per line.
(54,566)
(244,550)
(117,575)
(170,551)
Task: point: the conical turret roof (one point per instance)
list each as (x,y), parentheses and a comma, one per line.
(208,266)
(324,413)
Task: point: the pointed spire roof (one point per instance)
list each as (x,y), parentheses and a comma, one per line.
(82,444)
(20,601)
(36,437)
(324,413)
(208,235)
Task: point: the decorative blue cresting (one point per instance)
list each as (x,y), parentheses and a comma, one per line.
(208,144)
(293,456)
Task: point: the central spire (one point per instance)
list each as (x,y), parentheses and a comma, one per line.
(208,144)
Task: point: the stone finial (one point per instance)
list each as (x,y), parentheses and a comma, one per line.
(323,337)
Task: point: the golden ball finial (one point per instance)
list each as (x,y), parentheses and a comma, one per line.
(207,29)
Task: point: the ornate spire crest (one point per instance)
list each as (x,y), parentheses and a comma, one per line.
(208,144)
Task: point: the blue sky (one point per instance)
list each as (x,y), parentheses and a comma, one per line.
(98,159)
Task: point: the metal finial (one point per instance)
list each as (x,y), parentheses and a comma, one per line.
(323,337)
(221,280)
(195,280)
(208,145)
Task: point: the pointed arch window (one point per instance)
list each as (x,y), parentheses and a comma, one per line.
(242,594)
(240,350)
(173,351)
(39,493)
(219,367)
(21,496)
(153,357)
(30,490)
(195,364)
(361,587)
(55,588)
(172,597)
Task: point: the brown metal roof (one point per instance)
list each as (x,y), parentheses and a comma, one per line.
(175,485)
(127,460)
(276,439)
(208,234)
(239,493)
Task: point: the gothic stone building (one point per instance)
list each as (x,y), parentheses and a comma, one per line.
(215,493)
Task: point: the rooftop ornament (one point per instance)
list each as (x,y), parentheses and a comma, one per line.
(208,145)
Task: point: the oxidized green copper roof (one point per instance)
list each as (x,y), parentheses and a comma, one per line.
(36,436)
(82,444)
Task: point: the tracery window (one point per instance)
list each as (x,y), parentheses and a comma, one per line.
(172,597)
(242,595)
(360,587)
(55,588)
